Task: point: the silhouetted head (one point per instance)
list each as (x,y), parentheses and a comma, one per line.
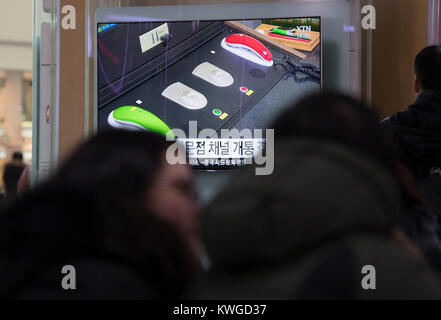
(339,118)
(128,172)
(347,121)
(116,196)
(17,156)
(428,69)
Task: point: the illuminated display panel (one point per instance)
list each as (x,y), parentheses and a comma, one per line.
(190,76)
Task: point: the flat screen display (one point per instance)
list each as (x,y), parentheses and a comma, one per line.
(215,86)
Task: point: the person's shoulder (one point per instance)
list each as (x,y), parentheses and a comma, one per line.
(89,279)
(386,120)
(399,119)
(8,166)
(112,279)
(14,167)
(398,273)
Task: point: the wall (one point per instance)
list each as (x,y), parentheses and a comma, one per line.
(11,104)
(72,82)
(401,33)
(16,35)
(16,60)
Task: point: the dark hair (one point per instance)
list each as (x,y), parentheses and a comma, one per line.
(428,68)
(96,205)
(17,156)
(340,118)
(345,120)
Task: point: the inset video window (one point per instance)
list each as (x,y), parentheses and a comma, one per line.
(208,84)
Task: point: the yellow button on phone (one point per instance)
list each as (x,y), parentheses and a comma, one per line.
(224,116)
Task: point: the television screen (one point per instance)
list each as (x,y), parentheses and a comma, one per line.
(214,86)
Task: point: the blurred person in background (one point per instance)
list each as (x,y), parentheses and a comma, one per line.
(417,131)
(331,207)
(12,173)
(118,212)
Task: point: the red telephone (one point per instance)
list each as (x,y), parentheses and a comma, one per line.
(248,48)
